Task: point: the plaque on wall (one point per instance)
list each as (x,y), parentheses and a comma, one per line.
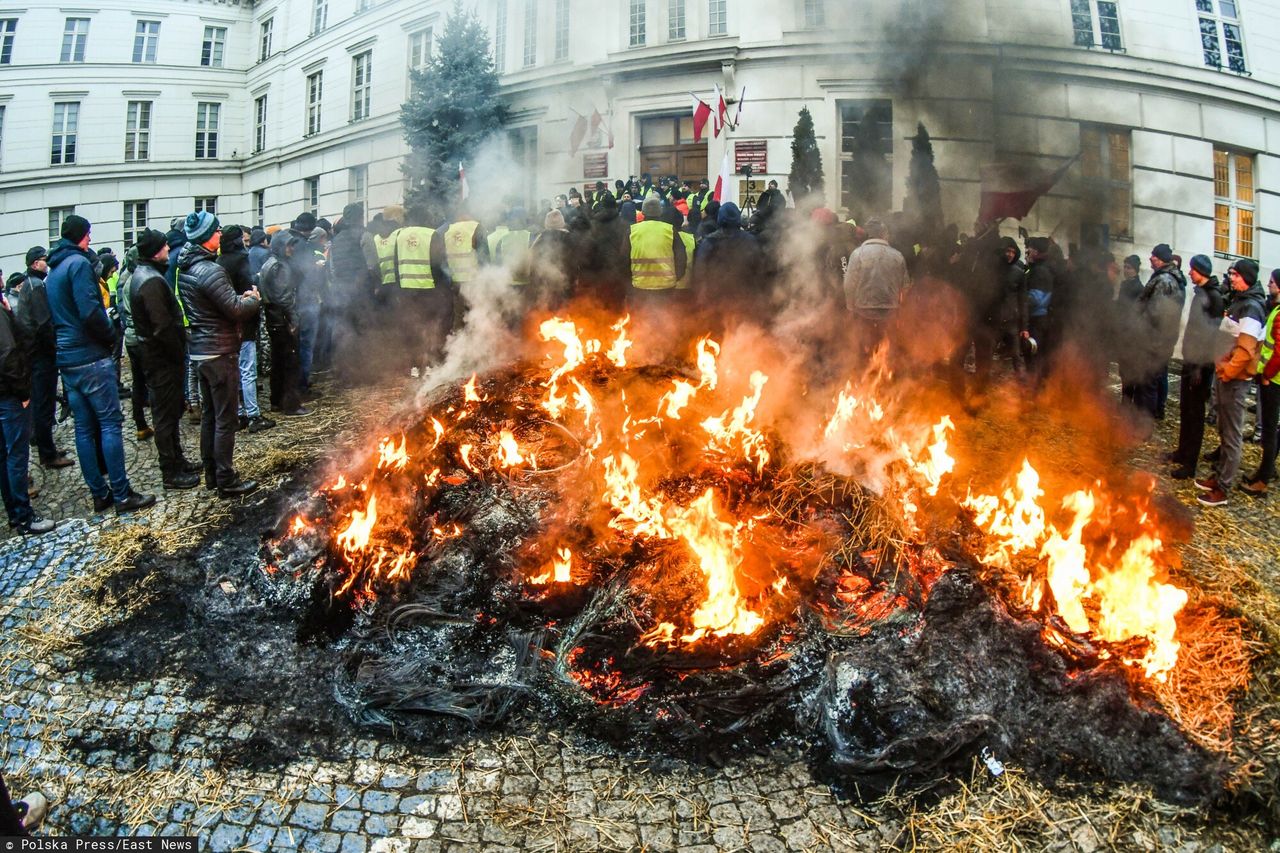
(595,166)
(753,153)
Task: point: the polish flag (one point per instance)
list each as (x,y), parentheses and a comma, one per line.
(701,112)
(722,111)
(725,176)
(577,135)
(1010,190)
(597,121)
(462,179)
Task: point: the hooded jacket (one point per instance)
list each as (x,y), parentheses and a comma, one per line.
(727,262)
(1200,344)
(876,279)
(31,310)
(214,310)
(279,285)
(156,314)
(1247,317)
(235,260)
(83,331)
(1160,308)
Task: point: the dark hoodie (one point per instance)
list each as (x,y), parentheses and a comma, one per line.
(278,283)
(31,308)
(728,261)
(84,332)
(235,260)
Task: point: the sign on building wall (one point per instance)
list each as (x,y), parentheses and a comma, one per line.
(595,166)
(753,153)
(749,192)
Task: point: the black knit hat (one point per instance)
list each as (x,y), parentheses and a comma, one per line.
(1202,264)
(1163,252)
(36,253)
(149,244)
(232,234)
(305,222)
(1134,263)
(74,228)
(1248,271)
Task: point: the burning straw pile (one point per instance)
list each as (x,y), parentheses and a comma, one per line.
(662,551)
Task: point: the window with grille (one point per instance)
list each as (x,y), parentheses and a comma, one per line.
(500,37)
(56,217)
(717,17)
(75,36)
(213,46)
(1219,31)
(137,131)
(562,29)
(264,39)
(259,123)
(815,14)
(1106,168)
(260,208)
(360,186)
(1096,23)
(206,204)
(361,85)
(635,24)
(311,194)
(66,119)
(145,38)
(319,16)
(675,20)
(315,96)
(530,53)
(1234,224)
(208,116)
(8,30)
(135,221)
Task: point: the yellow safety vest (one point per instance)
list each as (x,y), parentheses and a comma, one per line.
(386,247)
(413,258)
(494,237)
(512,251)
(653,262)
(683,283)
(460,251)
(1268,340)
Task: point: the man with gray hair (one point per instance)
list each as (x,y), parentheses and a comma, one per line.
(874,285)
(658,256)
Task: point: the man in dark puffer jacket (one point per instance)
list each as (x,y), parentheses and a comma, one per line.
(235,260)
(215,314)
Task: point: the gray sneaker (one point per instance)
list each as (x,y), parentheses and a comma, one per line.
(36,526)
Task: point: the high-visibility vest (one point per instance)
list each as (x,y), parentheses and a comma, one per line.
(686,280)
(413,258)
(512,251)
(1268,347)
(653,261)
(386,247)
(494,237)
(458,248)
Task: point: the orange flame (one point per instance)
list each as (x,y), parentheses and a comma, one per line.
(509,455)
(617,353)
(356,536)
(391,456)
(560,570)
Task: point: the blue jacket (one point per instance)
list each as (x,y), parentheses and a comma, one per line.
(84,332)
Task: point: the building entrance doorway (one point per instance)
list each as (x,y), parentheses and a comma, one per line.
(667,148)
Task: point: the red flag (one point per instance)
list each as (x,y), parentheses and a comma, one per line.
(597,121)
(701,112)
(1010,191)
(722,111)
(578,134)
(722,181)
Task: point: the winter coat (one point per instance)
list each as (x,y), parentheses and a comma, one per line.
(15,357)
(1160,310)
(353,265)
(258,255)
(235,260)
(727,264)
(1246,322)
(278,281)
(156,314)
(1200,343)
(308,264)
(31,309)
(214,311)
(84,332)
(876,280)
(1041,281)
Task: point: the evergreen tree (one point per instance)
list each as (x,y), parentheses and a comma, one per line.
(806,160)
(923,203)
(869,184)
(455,105)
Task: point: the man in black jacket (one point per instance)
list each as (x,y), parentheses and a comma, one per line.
(1199,355)
(215,314)
(1160,318)
(354,274)
(157,322)
(15,424)
(32,311)
(235,260)
(278,278)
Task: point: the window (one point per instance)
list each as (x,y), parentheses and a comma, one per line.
(260,207)
(530,32)
(213,46)
(675,20)
(1,132)
(1220,25)
(360,185)
(8,27)
(259,123)
(311,194)
(866,157)
(500,37)
(66,117)
(264,39)
(1107,185)
(1233,207)
(135,221)
(635,37)
(562,29)
(717,17)
(56,217)
(207,118)
(815,14)
(75,35)
(315,94)
(1096,22)
(208,203)
(319,16)
(145,37)
(361,85)
(137,131)
(420,50)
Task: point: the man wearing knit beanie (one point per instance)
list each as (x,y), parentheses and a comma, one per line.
(1159,312)
(1199,345)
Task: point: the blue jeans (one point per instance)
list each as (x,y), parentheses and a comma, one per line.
(308,328)
(15,456)
(249,379)
(94,398)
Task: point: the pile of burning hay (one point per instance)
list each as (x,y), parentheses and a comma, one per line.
(663,554)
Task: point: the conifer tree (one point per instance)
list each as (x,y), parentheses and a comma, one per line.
(454,106)
(923,203)
(806,160)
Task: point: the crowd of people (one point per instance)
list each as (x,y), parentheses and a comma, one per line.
(198,309)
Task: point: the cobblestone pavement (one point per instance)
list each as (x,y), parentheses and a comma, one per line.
(146,759)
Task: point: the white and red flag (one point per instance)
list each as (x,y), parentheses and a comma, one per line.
(722,111)
(701,113)
(1011,190)
(722,181)
(577,135)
